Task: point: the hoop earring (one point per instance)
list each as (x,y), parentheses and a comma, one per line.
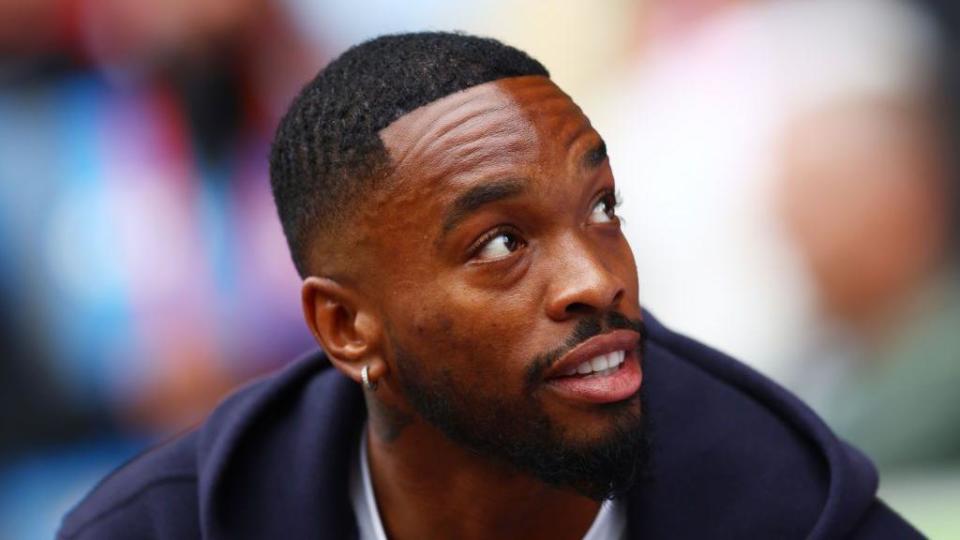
(365,375)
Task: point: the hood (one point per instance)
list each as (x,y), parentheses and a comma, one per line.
(736,454)
(273,460)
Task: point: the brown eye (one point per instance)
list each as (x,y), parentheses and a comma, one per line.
(605,210)
(499,245)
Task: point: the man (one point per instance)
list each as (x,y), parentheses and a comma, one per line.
(453,215)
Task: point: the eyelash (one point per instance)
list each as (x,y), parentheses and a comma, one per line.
(490,235)
(611,198)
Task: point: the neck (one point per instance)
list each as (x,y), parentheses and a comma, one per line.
(429,487)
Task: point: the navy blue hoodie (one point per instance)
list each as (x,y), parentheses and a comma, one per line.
(734,456)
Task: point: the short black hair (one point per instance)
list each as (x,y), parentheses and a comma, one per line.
(327,151)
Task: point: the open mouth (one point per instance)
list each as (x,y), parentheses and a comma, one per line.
(598,366)
(605,378)
(602,369)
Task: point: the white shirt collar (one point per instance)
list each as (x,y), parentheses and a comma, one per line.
(361,495)
(610,523)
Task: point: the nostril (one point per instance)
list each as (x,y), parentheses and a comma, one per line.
(580,308)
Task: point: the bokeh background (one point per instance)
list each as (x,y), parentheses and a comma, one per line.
(787,168)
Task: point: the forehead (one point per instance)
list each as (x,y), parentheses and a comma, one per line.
(511,126)
(523,130)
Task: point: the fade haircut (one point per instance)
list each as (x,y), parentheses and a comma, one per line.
(327,151)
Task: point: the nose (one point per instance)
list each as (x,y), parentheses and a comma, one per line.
(582,282)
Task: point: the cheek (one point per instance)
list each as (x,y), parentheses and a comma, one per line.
(472,336)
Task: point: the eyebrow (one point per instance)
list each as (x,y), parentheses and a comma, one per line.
(595,156)
(478,196)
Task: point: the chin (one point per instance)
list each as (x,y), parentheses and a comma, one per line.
(598,423)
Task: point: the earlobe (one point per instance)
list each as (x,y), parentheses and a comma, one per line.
(344,326)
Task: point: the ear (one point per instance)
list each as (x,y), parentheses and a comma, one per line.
(345,326)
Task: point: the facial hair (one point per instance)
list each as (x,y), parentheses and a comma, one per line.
(518,432)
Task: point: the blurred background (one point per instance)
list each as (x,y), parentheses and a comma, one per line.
(787,168)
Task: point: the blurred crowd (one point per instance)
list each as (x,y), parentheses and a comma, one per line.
(788,170)
(143,271)
(869,193)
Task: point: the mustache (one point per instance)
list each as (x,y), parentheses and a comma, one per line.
(586,328)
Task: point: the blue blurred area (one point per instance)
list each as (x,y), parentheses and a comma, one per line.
(143,271)
(131,249)
(37,490)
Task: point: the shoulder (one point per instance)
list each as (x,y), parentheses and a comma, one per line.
(152,496)
(160,493)
(732,451)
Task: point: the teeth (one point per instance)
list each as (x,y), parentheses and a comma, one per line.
(616,358)
(603,364)
(599,363)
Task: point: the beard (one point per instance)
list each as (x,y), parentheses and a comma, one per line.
(516,431)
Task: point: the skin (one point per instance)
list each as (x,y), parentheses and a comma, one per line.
(476,293)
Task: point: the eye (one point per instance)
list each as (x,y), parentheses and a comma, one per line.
(605,209)
(497,245)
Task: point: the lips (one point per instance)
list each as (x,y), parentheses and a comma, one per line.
(603,369)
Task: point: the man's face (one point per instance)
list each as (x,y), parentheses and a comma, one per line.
(498,251)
